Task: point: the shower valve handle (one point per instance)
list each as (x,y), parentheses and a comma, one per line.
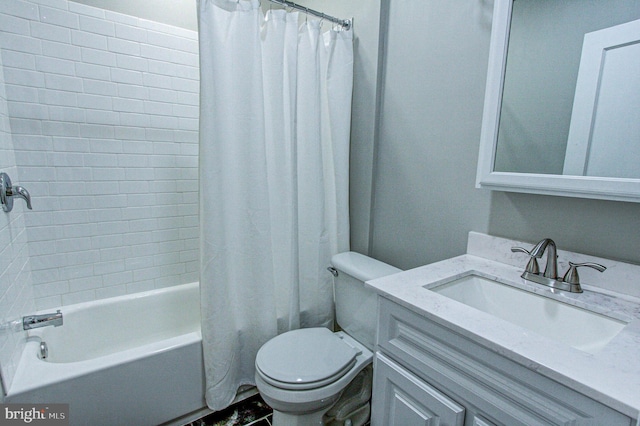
(7,192)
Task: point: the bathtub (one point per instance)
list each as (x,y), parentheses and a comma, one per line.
(128,360)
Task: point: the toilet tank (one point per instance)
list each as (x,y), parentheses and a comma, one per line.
(356,305)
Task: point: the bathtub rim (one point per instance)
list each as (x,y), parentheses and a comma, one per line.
(114,299)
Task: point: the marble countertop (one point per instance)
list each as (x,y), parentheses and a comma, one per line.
(610,376)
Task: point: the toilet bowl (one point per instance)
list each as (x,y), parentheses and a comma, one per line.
(304,374)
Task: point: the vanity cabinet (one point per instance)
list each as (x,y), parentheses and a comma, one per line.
(427,374)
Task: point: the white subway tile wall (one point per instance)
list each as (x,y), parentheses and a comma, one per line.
(103,108)
(16,290)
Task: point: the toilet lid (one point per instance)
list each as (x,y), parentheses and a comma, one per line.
(305,358)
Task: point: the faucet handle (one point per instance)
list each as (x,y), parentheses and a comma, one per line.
(7,192)
(572,277)
(20,192)
(532,266)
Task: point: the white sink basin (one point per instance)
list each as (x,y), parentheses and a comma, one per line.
(582,329)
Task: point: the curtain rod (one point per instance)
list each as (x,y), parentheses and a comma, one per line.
(344,23)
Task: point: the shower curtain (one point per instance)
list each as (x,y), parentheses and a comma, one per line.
(275,116)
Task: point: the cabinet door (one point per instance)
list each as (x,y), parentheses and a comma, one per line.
(401,399)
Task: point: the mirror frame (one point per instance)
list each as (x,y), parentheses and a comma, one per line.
(602,188)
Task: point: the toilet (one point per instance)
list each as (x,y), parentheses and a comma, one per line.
(314,376)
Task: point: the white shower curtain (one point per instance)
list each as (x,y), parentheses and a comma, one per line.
(275,116)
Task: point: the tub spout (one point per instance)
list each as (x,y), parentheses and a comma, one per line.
(44,350)
(37,321)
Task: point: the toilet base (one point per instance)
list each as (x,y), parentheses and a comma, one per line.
(286,419)
(356,418)
(349,407)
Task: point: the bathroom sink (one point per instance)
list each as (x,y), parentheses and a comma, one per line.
(577,327)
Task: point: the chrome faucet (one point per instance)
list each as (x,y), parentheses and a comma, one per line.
(37,321)
(570,282)
(7,192)
(551,270)
(20,192)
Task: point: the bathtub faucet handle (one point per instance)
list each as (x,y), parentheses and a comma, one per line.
(36,321)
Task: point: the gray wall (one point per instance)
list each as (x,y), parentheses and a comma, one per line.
(433,87)
(425,202)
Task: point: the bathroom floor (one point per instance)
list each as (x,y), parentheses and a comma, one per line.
(252,411)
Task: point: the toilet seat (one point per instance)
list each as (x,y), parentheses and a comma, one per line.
(305,359)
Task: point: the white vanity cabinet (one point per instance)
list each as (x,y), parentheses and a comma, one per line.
(427,374)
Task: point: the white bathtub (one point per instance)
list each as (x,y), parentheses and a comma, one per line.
(128,360)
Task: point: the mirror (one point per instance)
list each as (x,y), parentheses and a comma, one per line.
(562,101)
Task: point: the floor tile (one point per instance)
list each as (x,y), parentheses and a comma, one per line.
(252,411)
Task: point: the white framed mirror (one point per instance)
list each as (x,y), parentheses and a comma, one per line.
(555,86)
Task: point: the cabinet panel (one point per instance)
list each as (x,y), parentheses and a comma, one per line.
(502,391)
(400,398)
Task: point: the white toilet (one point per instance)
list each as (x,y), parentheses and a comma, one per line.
(313,376)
